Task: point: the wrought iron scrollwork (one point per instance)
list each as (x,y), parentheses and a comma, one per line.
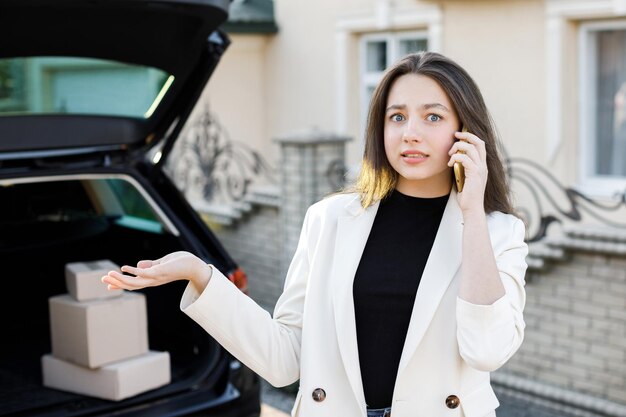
(548,201)
(336,174)
(209,162)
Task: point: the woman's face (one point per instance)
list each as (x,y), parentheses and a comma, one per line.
(420,122)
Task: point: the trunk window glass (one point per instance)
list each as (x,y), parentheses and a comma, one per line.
(71,209)
(69,85)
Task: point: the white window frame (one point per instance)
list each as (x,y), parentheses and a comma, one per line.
(371,79)
(590,182)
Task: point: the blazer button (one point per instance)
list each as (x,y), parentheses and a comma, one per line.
(452,401)
(319,395)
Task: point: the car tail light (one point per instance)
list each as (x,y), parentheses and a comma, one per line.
(240,279)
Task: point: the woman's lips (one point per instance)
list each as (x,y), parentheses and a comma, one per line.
(411,157)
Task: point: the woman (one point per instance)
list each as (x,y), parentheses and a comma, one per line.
(403,294)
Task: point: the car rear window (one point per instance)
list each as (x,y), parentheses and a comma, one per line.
(69,85)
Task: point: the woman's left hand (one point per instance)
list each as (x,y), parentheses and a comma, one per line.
(474,161)
(151,273)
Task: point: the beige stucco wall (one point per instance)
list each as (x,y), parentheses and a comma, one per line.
(501,44)
(237,92)
(269,86)
(302,60)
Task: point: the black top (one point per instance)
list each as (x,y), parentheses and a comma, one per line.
(385,286)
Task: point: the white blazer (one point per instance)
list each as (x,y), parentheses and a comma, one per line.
(451,345)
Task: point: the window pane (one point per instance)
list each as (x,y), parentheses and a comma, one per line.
(376,56)
(408,46)
(43,213)
(610,88)
(52,85)
(131,200)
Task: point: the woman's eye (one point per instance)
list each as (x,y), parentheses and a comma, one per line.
(433,118)
(397,117)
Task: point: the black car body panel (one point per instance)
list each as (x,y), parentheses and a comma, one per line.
(180,37)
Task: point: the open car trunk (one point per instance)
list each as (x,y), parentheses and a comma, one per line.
(47,224)
(95,94)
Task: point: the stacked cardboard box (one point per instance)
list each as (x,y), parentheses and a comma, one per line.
(100,338)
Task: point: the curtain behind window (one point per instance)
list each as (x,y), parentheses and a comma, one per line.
(611,102)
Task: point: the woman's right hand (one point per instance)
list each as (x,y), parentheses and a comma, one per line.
(151,273)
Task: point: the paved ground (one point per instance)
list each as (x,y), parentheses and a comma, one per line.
(269,411)
(277,403)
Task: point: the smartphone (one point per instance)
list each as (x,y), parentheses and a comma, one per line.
(459,172)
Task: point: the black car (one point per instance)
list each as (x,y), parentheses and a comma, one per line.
(93,95)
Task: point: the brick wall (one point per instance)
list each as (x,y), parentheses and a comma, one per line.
(575,335)
(309,164)
(253,241)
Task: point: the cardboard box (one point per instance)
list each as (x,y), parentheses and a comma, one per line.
(98,332)
(115,381)
(83,280)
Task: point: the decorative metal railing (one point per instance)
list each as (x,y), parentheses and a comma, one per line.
(336,173)
(547,201)
(220,169)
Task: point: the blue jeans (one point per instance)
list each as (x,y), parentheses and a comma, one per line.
(379,412)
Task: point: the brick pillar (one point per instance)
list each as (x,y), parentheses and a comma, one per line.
(312,164)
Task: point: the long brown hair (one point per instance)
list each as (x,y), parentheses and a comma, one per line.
(377,177)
